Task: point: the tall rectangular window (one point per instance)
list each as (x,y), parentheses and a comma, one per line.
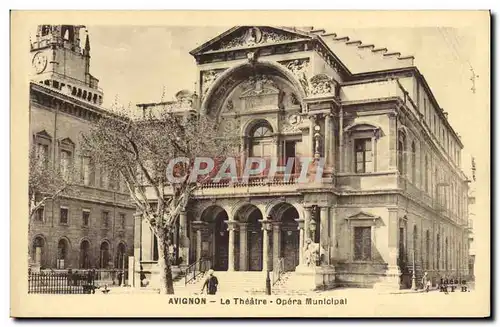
(63,215)
(42,153)
(65,162)
(425,109)
(86,171)
(362,243)
(105,219)
(122,221)
(85,218)
(39,213)
(363,156)
(103,178)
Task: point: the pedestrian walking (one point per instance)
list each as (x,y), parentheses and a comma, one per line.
(426,282)
(210,283)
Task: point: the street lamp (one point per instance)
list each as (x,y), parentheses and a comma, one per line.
(312,227)
(413,275)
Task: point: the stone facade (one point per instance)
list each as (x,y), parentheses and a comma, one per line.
(94,227)
(392,198)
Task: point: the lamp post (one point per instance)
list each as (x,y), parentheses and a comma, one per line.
(413,274)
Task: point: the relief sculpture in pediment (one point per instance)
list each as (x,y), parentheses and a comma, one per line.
(261,92)
(254,35)
(258,85)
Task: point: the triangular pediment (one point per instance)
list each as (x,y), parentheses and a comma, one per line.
(363,216)
(67,141)
(250,36)
(43,134)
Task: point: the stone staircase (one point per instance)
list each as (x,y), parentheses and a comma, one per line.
(236,282)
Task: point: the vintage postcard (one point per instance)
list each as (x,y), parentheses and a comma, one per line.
(250,164)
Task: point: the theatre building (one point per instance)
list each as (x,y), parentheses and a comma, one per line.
(91,227)
(392,201)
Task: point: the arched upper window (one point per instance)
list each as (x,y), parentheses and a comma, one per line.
(427,249)
(85,254)
(438,252)
(401,153)
(38,251)
(426,174)
(413,162)
(446,253)
(105,254)
(261,144)
(436,185)
(62,253)
(262,131)
(415,243)
(121,260)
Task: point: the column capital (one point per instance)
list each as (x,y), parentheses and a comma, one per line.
(138,215)
(266,224)
(231,224)
(300,222)
(276,225)
(392,209)
(199,225)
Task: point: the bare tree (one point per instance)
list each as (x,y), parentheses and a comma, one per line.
(141,150)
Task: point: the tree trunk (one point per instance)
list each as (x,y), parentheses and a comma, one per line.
(166,281)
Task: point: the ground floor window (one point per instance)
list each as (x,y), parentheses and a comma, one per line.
(362,243)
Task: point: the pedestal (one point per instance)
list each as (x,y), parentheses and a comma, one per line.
(316,277)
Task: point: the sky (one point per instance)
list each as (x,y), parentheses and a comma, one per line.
(137,64)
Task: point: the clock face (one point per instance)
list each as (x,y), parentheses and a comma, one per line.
(39,62)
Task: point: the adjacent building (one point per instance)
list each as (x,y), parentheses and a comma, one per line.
(93,227)
(393,199)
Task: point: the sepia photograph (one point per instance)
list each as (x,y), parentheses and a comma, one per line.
(201,168)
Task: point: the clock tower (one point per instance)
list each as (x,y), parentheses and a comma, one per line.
(58,60)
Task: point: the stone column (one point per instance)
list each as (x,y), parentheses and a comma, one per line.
(307,223)
(183,238)
(341,140)
(312,121)
(393,271)
(198,226)
(324,238)
(327,147)
(265,245)
(243,246)
(333,235)
(393,141)
(301,240)
(231,226)
(276,244)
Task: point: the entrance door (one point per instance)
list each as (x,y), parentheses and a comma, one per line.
(290,248)
(221,242)
(254,250)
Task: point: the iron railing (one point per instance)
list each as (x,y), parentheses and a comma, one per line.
(197,268)
(61,282)
(279,270)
